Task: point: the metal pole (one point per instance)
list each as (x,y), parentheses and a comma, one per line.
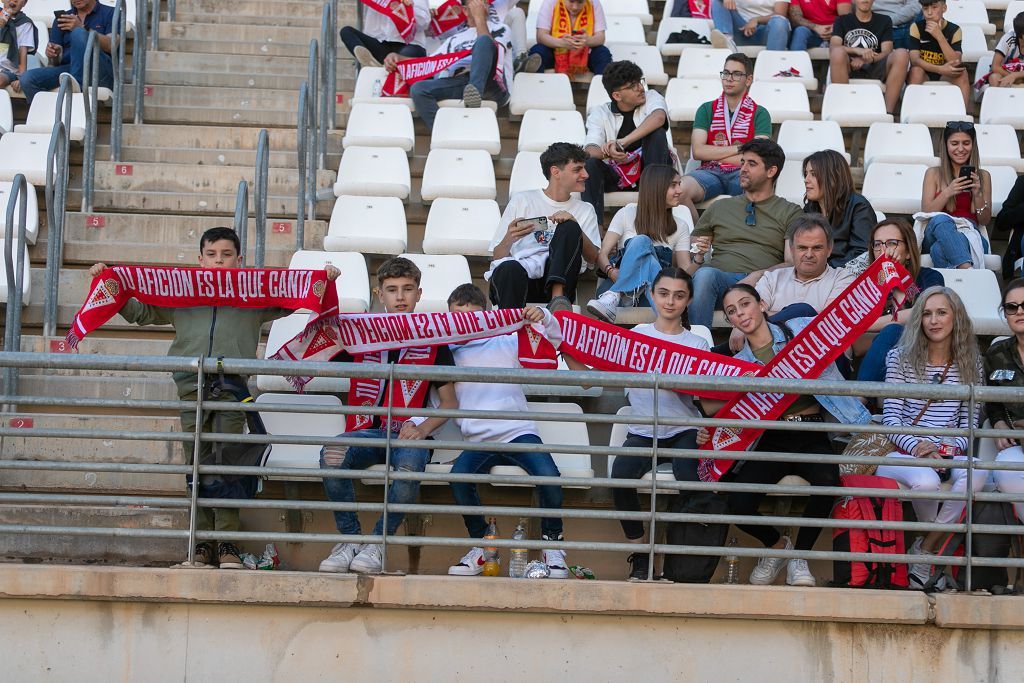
(139,58)
(15,278)
(387,471)
(193,510)
(55,163)
(969,536)
(155,30)
(242,218)
(326,59)
(172,10)
(654,484)
(90,99)
(260,198)
(332,69)
(300,146)
(117,54)
(313,83)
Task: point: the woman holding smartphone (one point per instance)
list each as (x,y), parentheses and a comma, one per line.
(1004,367)
(958,188)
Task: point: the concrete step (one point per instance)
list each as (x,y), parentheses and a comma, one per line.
(215,17)
(270,12)
(98,384)
(218,106)
(237,39)
(93,549)
(236,70)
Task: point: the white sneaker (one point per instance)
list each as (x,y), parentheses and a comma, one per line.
(919,573)
(555,560)
(769,567)
(798,574)
(368,560)
(471,564)
(340,558)
(604,307)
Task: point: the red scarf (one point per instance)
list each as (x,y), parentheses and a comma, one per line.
(628,170)
(607,347)
(572,62)
(364,333)
(1011,66)
(446,17)
(367,392)
(409,71)
(805,357)
(190,287)
(721,134)
(398,12)
(700,9)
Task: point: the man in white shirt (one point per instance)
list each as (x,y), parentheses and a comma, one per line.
(500,352)
(545,238)
(625,135)
(388,27)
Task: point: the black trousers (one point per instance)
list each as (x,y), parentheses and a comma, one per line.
(634,467)
(380,49)
(511,286)
(762,472)
(601,178)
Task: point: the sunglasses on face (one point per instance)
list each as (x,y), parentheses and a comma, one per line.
(888,244)
(1011,308)
(751,216)
(960,126)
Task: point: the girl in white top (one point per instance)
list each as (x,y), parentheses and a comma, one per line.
(642,239)
(670,292)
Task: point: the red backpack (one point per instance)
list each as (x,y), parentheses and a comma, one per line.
(858,574)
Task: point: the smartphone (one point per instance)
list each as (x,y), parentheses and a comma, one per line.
(58,13)
(966,171)
(542,229)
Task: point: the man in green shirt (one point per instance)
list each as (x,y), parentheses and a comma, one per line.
(748,232)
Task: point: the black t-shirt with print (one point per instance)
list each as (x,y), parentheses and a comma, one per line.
(863,34)
(925,43)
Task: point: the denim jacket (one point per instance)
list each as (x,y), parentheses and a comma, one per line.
(846,409)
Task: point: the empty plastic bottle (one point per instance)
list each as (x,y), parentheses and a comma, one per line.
(491,562)
(519,557)
(732,565)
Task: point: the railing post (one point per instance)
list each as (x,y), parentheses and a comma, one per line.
(139,58)
(326,61)
(117,55)
(969,519)
(313,85)
(90,101)
(172,10)
(332,69)
(155,26)
(193,509)
(302,141)
(260,197)
(15,272)
(654,484)
(56,199)
(242,218)
(387,473)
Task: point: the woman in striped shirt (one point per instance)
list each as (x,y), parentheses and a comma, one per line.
(937,346)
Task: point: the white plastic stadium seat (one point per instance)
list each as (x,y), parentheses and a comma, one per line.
(894,188)
(31,213)
(629,8)
(374,171)
(526,173)
(625,30)
(460,226)
(1003,105)
(1012,9)
(770,63)
(466,129)
(685,95)
(646,57)
(596,94)
(618,437)
(6,113)
(562,390)
(540,91)
(800,139)
(41,115)
(540,128)
(974,45)
(282,331)
(353,284)
(998,146)
(1003,179)
(24,153)
(379,125)
(785,101)
(899,143)
(327,425)
(702,62)
(441,274)
(853,105)
(968,12)
(983,66)
(368,86)
(979,290)
(669,25)
(561,433)
(790,184)
(458,173)
(369,225)
(26,282)
(933,105)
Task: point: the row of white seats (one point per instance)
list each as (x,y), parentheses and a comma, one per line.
(896,187)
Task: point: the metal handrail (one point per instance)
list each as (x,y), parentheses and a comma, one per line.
(117,55)
(261,183)
(242,215)
(331,55)
(155,26)
(327,64)
(90,100)
(313,83)
(306,202)
(15,272)
(139,58)
(56,201)
(172,10)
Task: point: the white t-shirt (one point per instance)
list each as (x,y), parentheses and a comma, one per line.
(379,26)
(1007,46)
(624,225)
(749,9)
(26,37)
(464,39)
(671,404)
(546,16)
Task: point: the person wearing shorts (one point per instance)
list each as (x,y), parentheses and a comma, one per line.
(862,47)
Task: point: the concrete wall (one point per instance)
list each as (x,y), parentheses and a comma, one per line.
(110,624)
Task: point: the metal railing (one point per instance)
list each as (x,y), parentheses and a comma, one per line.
(328,79)
(90,103)
(14,268)
(259,204)
(242,215)
(654,518)
(56,201)
(139,56)
(117,55)
(306,199)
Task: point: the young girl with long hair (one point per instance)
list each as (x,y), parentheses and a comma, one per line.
(938,347)
(828,187)
(642,239)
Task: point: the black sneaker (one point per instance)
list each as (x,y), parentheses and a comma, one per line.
(205,556)
(639,565)
(229,557)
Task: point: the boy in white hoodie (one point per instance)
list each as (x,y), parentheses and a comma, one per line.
(499,352)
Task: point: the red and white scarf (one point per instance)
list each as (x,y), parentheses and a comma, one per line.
(607,347)
(572,62)
(446,17)
(1012,65)
(806,356)
(191,287)
(628,170)
(400,14)
(364,333)
(735,130)
(409,71)
(368,393)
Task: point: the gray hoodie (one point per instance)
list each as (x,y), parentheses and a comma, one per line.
(900,11)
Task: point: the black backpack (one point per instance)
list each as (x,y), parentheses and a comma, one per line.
(992,579)
(687,36)
(695,568)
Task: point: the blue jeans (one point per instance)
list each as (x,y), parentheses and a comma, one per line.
(948,248)
(640,263)
(872,366)
(535,464)
(804,38)
(709,284)
(362,457)
(48,78)
(774,35)
(600,57)
(715,181)
(426,94)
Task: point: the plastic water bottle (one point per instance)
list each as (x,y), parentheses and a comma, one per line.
(732,565)
(377,86)
(491,566)
(519,557)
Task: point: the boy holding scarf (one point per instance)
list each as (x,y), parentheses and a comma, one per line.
(211,331)
(398,281)
(570,37)
(720,127)
(389,27)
